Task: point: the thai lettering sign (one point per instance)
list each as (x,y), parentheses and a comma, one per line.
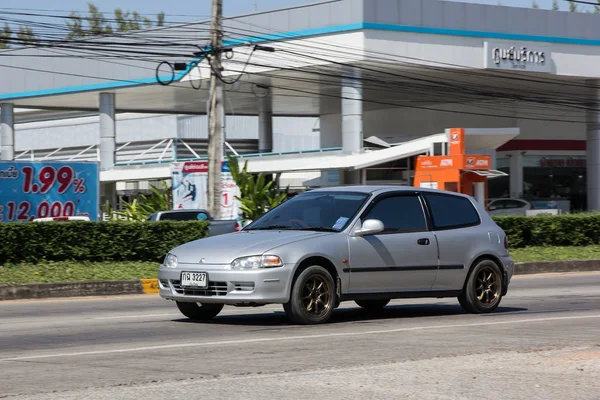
(30,190)
(516,56)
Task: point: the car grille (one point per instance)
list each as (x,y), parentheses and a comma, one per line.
(213,289)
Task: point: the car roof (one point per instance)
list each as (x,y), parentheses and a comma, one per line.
(378,189)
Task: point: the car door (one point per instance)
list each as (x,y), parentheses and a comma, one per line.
(455,223)
(516,207)
(401,258)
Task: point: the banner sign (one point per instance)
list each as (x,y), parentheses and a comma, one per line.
(190,185)
(30,190)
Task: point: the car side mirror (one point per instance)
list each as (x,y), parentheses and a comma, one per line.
(370,227)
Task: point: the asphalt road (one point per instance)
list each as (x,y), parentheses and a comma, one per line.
(543,343)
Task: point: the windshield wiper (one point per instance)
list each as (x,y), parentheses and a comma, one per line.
(272,227)
(319,229)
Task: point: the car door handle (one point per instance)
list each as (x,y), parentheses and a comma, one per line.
(423,242)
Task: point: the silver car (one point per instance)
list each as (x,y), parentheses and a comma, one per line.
(368,244)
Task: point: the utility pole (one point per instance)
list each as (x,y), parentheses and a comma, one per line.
(215,115)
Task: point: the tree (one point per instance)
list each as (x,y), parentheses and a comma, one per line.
(597,8)
(95,24)
(5,37)
(158,200)
(257,196)
(535,4)
(555,5)
(572,7)
(26,36)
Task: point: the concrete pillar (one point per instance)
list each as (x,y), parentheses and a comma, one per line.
(265,125)
(593,152)
(108,190)
(7,132)
(352,113)
(479,192)
(107,131)
(515,173)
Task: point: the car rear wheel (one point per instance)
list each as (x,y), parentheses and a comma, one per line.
(312,299)
(483,291)
(199,312)
(373,304)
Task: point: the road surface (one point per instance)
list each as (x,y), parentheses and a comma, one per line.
(543,342)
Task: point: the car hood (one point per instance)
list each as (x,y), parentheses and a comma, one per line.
(223,249)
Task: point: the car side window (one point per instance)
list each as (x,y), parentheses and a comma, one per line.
(180,216)
(499,204)
(448,211)
(514,204)
(399,214)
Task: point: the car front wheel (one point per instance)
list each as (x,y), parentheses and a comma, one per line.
(199,312)
(312,299)
(483,290)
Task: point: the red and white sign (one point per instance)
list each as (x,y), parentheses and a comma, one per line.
(190,184)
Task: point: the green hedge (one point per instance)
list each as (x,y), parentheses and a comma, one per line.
(93,241)
(562,230)
(150,241)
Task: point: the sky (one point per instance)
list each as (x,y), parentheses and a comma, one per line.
(195,9)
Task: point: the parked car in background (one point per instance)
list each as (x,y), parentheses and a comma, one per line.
(62,219)
(499,207)
(216,227)
(368,244)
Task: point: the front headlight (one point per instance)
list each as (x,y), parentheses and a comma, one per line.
(256,262)
(170,261)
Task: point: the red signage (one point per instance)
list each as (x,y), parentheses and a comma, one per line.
(195,166)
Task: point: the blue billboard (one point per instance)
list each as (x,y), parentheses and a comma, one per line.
(30,190)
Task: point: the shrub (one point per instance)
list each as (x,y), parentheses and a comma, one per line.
(94,241)
(561,230)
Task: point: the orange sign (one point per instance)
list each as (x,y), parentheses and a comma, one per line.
(457,141)
(477,162)
(447,162)
(455,162)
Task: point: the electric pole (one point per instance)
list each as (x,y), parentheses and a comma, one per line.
(215,112)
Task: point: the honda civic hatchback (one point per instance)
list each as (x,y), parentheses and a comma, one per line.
(367,244)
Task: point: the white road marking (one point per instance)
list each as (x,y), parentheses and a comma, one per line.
(301,337)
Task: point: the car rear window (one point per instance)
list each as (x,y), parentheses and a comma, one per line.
(449,212)
(183,216)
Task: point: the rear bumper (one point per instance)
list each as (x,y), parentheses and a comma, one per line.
(264,286)
(509,269)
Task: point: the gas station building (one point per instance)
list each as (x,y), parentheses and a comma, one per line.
(384,81)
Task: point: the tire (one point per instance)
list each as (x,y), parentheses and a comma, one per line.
(199,312)
(312,298)
(373,304)
(483,290)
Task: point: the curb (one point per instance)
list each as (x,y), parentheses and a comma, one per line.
(78,289)
(545,267)
(150,286)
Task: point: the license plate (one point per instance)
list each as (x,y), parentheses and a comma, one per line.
(194,279)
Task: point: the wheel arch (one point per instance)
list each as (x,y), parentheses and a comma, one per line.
(323,262)
(477,260)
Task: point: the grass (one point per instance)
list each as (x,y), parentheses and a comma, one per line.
(91,271)
(556,253)
(75,272)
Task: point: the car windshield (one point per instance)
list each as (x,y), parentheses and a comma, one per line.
(316,211)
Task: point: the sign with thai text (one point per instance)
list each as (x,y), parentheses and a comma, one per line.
(30,190)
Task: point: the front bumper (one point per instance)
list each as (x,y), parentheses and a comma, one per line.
(263,286)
